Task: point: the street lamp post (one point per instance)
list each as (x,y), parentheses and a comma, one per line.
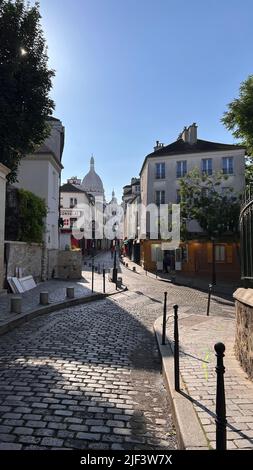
(92,268)
(213,262)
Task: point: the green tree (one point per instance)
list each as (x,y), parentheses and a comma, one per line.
(239,120)
(32,211)
(203,200)
(25,83)
(239,117)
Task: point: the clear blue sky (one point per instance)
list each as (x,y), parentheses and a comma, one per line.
(130,72)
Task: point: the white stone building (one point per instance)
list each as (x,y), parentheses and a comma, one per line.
(40,174)
(89,191)
(72,196)
(163,168)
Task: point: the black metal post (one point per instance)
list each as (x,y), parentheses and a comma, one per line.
(104,281)
(92,277)
(221,422)
(209,298)
(176,350)
(115,272)
(92,262)
(213,264)
(164,317)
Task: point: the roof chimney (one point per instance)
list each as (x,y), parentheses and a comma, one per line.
(158,146)
(184,134)
(192,134)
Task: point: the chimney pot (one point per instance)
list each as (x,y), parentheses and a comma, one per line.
(192,133)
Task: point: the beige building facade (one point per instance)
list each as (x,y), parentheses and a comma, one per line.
(160,184)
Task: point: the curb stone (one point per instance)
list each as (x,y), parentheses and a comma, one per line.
(19,319)
(190,433)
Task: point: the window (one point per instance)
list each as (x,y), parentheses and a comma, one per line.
(156,253)
(207,166)
(227,165)
(181,168)
(160,197)
(220,253)
(73,202)
(160,171)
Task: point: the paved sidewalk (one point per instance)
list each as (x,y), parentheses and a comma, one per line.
(198,335)
(57,293)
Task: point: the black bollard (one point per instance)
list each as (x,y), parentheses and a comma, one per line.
(176,350)
(209,298)
(104,281)
(221,422)
(164,317)
(92,279)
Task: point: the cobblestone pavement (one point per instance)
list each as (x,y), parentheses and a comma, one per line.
(86,377)
(89,376)
(198,334)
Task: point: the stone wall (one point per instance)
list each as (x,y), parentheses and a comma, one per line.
(41,263)
(69,265)
(52,263)
(26,256)
(244,329)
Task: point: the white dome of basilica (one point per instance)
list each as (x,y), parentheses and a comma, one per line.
(92,183)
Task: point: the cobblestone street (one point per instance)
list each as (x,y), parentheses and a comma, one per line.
(86,377)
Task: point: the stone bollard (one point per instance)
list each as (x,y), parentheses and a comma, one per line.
(44,298)
(134,269)
(16,305)
(70,292)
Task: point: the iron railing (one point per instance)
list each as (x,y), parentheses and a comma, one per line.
(246,236)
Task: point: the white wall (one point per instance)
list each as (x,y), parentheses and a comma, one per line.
(40,174)
(149,183)
(54,141)
(66,211)
(171,183)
